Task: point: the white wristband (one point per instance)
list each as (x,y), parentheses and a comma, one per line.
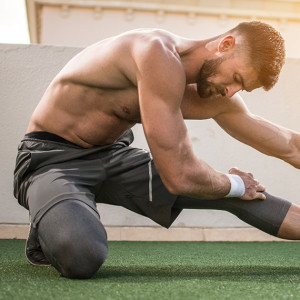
(237,188)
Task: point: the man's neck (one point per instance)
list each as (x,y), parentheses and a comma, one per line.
(193,58)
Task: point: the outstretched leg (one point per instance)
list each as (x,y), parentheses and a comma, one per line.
(73,239)
(274,215)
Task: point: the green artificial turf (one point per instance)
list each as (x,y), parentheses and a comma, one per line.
(163,270)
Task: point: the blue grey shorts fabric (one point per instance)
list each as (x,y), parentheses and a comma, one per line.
(50,171)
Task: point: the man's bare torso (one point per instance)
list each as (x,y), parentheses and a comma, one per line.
(94,99)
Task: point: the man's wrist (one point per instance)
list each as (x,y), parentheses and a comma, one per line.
(237,186)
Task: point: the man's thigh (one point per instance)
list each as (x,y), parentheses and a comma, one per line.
(134,183)
(52,184)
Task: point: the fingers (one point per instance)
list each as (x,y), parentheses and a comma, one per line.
(252,195)
(238,172)
(259,186)
(260,196)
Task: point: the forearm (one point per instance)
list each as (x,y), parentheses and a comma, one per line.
(183,173)
(269,138)
(243,185)
(199,180)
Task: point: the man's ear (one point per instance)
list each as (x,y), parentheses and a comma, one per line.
(226,44)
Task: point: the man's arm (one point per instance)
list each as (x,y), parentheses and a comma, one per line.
(161,83)
(265,136)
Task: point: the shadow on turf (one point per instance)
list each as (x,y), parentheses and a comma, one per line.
(224,273)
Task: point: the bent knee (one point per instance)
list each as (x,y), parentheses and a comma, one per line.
(81,261)
(82,268)
(73,239)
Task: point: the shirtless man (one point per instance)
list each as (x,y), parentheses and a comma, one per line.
(76,150)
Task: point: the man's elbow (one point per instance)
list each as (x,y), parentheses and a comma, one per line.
(177,185)
(293,160)
(292,156)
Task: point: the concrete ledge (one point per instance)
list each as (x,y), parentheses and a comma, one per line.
(160,234)
(14,231)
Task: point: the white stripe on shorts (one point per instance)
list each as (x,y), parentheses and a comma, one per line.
(150,178)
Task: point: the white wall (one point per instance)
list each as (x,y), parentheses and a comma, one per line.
(81,26)
(27,70)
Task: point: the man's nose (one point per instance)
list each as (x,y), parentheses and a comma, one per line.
(230,90)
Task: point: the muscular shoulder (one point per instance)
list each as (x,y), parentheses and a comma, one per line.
(155,44)
(156,59)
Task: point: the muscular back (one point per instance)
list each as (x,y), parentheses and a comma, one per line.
(94,98)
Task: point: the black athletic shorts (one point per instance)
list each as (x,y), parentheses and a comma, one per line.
(50,169)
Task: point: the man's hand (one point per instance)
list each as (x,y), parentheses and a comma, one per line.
(253,189)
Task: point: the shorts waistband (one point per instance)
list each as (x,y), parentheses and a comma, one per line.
(48,136)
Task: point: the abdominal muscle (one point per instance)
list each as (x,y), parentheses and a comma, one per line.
(84,115)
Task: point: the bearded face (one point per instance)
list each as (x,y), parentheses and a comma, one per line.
(205,87)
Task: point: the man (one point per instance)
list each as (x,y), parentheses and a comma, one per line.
(76,150)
